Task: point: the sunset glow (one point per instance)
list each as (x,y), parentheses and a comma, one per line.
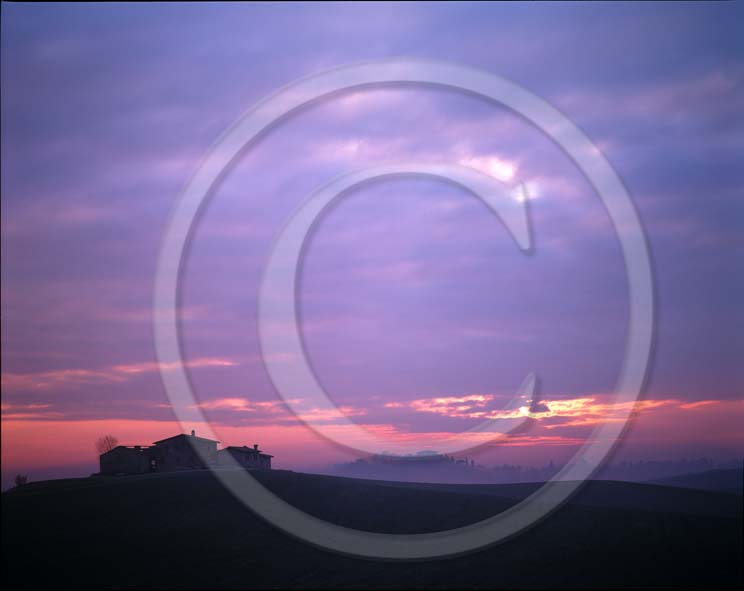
(419,314)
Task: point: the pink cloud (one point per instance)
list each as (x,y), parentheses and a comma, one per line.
(47,380)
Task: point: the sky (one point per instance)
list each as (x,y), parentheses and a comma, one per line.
(419,315)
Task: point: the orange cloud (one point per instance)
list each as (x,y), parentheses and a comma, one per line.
(452,406)
(583,411)
(699,404)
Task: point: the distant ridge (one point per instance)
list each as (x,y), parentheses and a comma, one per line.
(723,480)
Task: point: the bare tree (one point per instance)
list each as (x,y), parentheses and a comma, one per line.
(20,480)
(106,443)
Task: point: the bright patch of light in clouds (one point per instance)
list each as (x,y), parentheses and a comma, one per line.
(493,166)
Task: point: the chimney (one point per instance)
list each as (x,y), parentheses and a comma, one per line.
(193,433)
(255,446)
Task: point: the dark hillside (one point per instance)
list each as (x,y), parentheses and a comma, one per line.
(185,530)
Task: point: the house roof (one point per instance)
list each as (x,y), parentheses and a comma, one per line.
(132,448)
(185,436)
(246,450)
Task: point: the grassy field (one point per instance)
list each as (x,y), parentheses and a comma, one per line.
(185,530)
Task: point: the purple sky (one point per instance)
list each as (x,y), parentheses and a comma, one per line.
(411,290)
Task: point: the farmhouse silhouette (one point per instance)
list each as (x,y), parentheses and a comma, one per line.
(180,452)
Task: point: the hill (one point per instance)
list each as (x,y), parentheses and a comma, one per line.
(185,530)
(728,480)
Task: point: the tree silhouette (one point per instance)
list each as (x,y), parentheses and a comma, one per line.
(20,480)
(106,443)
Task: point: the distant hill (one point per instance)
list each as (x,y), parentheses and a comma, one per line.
(729,480)
(605,494)
(185,530)
(434,467)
